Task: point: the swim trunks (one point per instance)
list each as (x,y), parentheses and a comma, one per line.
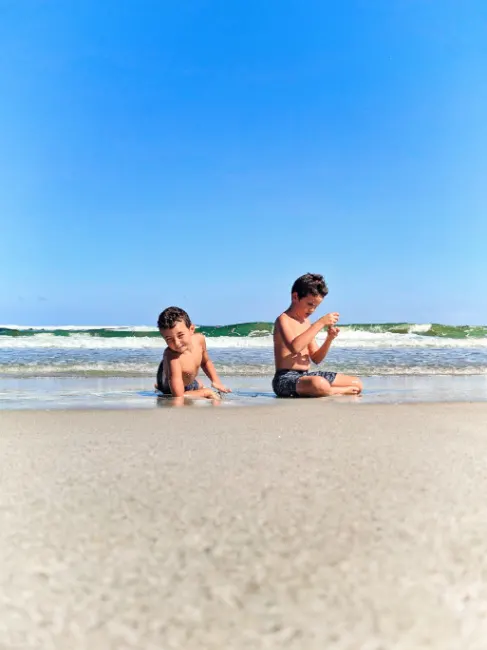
(285,381)
(165,388)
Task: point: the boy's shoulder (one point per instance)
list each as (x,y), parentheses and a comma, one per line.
(290,322)
(285,316)
(276,323)
(286,321)
(281,317)
(199,339)
(169,355)
(199,343)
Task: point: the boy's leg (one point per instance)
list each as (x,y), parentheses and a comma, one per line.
(315,385)
(347,380)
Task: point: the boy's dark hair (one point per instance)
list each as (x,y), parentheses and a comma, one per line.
(310,284)
(172,315)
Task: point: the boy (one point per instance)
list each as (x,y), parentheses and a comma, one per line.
(185,353)
(295,346)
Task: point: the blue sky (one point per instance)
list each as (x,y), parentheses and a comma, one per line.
(206,153)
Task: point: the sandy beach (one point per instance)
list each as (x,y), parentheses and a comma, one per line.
(304,525)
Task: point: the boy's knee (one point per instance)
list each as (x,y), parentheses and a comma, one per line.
(358,383)
(321,386)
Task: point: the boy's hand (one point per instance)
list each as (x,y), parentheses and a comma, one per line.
(219,386)
(330,319)
(333,332)
(209,394)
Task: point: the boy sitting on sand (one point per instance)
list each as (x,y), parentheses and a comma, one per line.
(185,353)
(295,346)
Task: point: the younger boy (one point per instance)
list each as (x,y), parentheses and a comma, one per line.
(185,353)
(295,346)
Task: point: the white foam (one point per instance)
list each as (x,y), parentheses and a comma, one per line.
(80,342)
(417,329)
(348,338)
(147,369)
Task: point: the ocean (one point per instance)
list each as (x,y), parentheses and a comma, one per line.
(115,366)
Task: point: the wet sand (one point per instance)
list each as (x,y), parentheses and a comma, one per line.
(38,393)
(304,525)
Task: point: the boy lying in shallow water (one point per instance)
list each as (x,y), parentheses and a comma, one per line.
(185,354)
(295,346)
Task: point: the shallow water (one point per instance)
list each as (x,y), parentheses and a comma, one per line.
(138,393)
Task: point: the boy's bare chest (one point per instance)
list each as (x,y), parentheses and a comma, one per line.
(191,361)
(301,327)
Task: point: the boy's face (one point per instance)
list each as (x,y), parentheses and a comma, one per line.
(178,338)
(304,307)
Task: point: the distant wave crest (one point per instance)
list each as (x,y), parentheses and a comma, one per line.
(251,330)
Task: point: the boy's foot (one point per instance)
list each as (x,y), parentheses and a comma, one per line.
(345,390)
(351,390)
(210,394)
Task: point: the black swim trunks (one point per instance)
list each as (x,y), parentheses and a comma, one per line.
(164,387)
(285,381)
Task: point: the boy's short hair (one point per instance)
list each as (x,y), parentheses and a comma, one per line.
(172,315)
(310,284)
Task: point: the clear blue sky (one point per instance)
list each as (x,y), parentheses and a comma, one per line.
(206,153)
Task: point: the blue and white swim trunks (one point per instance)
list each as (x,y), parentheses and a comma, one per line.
(285,381)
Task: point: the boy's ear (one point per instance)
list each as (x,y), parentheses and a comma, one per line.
(191,328)
(294,297)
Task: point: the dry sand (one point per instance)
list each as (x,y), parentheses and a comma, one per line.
(305,525)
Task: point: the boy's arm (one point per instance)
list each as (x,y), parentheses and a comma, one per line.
(210,372)
(298,343)
(176,384)
(175,378)
(317,354)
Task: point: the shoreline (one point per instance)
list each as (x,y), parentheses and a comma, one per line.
(129,393)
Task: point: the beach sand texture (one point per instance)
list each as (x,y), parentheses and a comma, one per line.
(305,525)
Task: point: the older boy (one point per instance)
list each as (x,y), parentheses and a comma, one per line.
(185,354)
(295,346)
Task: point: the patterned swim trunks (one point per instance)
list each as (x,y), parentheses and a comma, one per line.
(164,387)
(285,381)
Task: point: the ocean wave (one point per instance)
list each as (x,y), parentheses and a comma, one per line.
(246,330)
(348,338)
